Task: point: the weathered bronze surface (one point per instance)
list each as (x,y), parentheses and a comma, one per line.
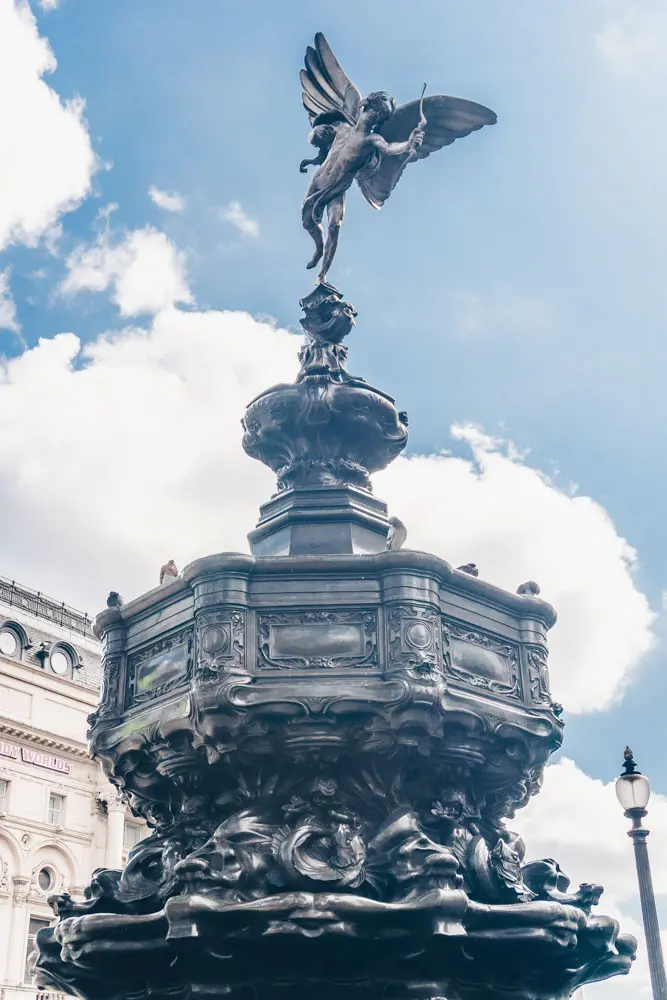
(329,736)
(369,140)
(328,749)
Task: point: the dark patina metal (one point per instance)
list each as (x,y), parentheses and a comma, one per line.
(369,140)
(328,737)
(323,435)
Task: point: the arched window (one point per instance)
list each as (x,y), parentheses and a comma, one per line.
(62,659)
(13,639)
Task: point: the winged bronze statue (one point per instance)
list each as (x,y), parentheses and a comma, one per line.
(368,139)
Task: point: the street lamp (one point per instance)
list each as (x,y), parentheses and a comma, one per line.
(633,792)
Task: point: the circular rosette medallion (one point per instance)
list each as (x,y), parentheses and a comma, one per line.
(215,639)
(419,635)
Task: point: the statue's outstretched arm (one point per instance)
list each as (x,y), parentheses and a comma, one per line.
(322,137)
(315,162)
(399,148)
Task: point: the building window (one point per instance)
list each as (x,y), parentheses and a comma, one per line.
(45,879)
(60,661)
(56,811)
(132,834)
(9,643)
(4,797)
(36,924)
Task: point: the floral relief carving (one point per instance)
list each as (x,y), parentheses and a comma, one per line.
(538,675)
(220,643)
(110,693)
(413,639)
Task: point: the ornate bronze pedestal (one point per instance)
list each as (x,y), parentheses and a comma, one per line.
(327,742)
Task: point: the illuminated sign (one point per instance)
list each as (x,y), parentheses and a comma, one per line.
(36,757)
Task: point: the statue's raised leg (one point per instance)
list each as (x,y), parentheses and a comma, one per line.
(335,213)
(311,218)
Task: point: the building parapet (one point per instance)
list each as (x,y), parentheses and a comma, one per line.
(16,595)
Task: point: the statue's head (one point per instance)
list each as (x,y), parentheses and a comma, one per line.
(378,107)
(236,849)
(322,136)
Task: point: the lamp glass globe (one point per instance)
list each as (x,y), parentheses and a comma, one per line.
(633,791)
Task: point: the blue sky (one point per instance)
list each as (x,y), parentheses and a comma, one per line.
(536,290)
(514,281)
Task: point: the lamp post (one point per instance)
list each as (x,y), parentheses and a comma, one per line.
(633,792)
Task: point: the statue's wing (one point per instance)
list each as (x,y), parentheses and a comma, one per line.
(447,119)
(327,90)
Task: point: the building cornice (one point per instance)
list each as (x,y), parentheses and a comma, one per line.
(38,738)
(49,834)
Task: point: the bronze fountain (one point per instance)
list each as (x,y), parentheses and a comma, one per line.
(327,736)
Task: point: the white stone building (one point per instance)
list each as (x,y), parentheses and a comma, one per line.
(59,817)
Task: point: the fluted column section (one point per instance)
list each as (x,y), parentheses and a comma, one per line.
(18,929)
(656,961)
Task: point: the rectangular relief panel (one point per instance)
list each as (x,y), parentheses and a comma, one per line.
(316,640)
(480,660)
(156,669)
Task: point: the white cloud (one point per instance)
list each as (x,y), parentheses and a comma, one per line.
(8,318)
(633,40)
(49,4)
(48,167)
(144,270)
(170,201)
(235,214)
(577,820)
(136,455)
(495,510)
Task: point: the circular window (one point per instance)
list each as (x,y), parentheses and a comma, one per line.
(9,644)
(45,879)
(60,661)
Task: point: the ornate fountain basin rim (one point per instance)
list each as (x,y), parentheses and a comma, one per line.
(356,383)
(390,561)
